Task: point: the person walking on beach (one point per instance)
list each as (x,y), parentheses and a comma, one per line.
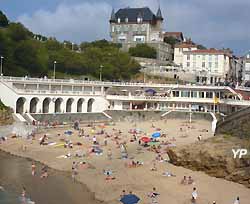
(194,196)
(44,172)
(74,170)
(33,169)
(24,192)
(109,154)
(237,201)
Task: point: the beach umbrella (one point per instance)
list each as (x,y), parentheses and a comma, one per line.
(150,91)
(145,139)
(68,132)
(156,134)
(130,199)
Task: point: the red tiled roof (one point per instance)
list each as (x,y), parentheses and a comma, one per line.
(245,94)
(185,45)
(210,51)
(177,34)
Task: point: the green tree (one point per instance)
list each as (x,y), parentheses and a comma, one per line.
(143,50)
(201,47)
(171,40)
(18,32)
(31,55)
(4,22)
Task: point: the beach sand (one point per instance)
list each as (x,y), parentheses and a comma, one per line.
(140,180)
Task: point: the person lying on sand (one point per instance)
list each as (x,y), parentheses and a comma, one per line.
(133,164)
(154,167)
(168,174)
(123,194)
(108,175)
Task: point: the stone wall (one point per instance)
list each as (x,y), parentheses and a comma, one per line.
(236,124)
(71,117)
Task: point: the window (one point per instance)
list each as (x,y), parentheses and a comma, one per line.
(126,19)
(180,49)
(176,93)
(194,57)
(185,94)
(194,94)
(203,64)
(139,20)
(188,57)
(210,58)
(209,95)
(194,65)
(216,64)
(118,20)
(210,64)
(216,57)
(188,64)
(201,94)
(203,57)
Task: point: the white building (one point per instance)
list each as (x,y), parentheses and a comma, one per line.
(179,49)
(209,66)
(246,68)
(47,96)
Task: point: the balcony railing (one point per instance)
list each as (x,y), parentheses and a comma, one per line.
(104,83)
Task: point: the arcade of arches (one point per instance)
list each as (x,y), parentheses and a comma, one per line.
(53,105)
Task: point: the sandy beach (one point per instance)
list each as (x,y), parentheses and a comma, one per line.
(140,180)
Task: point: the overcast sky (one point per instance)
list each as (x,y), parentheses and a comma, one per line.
(213,23)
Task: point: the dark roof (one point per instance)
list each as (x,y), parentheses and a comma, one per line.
(159,15)
(133,13)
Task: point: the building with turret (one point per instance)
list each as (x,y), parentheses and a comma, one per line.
(130,26)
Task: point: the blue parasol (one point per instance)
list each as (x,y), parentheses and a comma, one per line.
(150,91)
(68,132)
(130,199)
(156,134)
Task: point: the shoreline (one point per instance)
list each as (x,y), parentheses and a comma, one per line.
(130,179)
(62,173)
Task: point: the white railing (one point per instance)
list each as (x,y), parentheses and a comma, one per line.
(104,83)
(63,92)
(159,98)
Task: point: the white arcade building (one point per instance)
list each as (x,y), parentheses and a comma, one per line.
(34,95)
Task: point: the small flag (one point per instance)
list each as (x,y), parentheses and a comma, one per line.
(216,100)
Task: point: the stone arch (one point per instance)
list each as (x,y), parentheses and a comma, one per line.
(20,105)
(58,104)
(79,105)
(46,103)
(33,105)
(69,105)
(90,105)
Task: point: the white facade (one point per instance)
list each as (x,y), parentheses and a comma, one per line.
(246,68)
(178,52)
(211,65)
(72,96)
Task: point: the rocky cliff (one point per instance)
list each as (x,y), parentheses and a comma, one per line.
(5,115)
(215,157)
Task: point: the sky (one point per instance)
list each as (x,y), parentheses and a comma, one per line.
(213,23)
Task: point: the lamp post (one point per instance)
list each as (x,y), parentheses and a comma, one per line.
(54,70)
(1,71)
(101,72)
(72,46)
